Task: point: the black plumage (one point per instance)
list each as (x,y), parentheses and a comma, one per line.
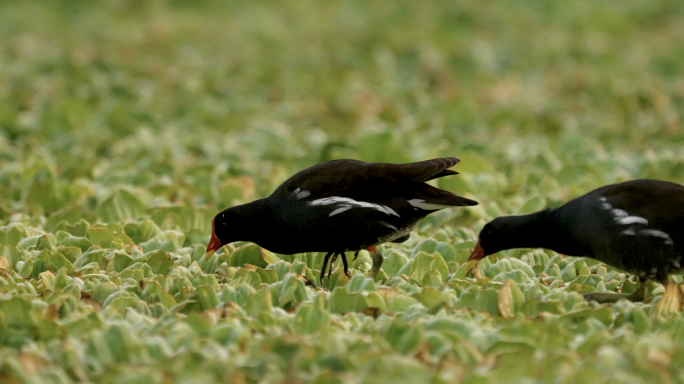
(339,206)
(636,226)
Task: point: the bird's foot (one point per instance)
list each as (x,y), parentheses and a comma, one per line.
(325,264)
(672,300)
(605,298)
(310,283)
(332,257)
(377,262)
(345,264)
(332,265)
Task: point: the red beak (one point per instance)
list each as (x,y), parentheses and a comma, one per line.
(478,252)
(215,243)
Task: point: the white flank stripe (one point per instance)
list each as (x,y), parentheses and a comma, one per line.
(419,203)
(619,213)
(303,194)
(351,202)
(388,225)
(391,211)
(657,233)
(340,210)
(621,216)
(654,232)
(648,232)
(631,220)
(604,203)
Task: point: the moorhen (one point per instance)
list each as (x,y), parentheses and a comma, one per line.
(339,206)
(636,226)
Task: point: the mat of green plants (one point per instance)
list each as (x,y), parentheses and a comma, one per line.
(125,126)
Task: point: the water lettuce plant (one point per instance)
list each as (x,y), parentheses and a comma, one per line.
(125,126)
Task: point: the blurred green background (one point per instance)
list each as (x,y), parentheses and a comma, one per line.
(117,112)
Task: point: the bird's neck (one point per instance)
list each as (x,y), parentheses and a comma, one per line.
(251,219)
(537,230)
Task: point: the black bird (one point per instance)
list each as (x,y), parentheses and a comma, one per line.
(636,226)
(339,206)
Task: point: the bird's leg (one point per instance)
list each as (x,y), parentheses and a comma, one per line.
(345,263)
(332,264)
(356,254)
(377,261)
(325,264)
(672,299)
(604,298)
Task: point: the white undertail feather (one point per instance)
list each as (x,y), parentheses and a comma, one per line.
(420,203)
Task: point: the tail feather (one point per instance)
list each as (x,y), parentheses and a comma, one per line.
(428,197)
(446,172)
(420,171)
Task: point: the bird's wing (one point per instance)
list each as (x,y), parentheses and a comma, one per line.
(366,181)
(417,172)
(646,231)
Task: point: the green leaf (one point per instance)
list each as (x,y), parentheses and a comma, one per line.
(404,338)
(309,320)
(121,300)
(268,277)
(516,275)
(429,297)
(120,207)
(160,262)
(533,204)
(142,231)
(81,242)
(251,254)
(428,246)
(13,255)
(206,295)
(342,301)
(432,278)
(447,251)
(393,262)
(101,236)
(93,256)
(247,277)
(119,262)
(56,261)
(422,264)
(376,300)
(510,298)
(401,302)
(569,273)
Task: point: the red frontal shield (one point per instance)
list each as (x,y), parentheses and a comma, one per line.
(215,243)
(478,252)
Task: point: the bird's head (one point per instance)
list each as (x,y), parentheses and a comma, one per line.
(224,230)
(496,236)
